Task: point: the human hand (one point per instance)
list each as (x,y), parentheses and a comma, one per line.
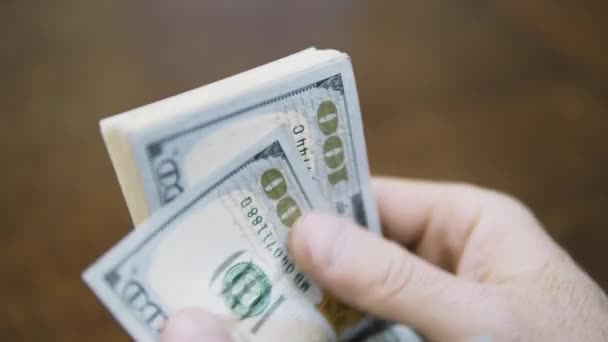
(461,262)
(195,325)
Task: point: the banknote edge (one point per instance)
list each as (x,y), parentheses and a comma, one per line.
(117,129)
(120,151)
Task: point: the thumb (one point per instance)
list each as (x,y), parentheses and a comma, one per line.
(384,279)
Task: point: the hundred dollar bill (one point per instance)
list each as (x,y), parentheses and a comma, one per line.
(162,149)
(222,247)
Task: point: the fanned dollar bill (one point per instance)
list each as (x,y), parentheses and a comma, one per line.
(179,145)
(222,247)
(162,149)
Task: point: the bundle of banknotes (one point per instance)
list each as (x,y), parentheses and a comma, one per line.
(214,179)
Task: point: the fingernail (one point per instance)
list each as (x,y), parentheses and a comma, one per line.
(194,325)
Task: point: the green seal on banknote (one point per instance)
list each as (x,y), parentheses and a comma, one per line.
(246,289)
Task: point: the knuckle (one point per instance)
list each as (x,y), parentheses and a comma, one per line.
(492,196)
(514,203)
(513,207)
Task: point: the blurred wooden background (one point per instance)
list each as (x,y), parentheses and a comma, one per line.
(507,94)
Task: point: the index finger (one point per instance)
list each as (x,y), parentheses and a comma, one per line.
(434,219)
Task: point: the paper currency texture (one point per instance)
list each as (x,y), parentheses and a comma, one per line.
(161,150)
(222,247)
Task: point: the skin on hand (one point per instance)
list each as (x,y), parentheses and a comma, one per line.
(456,262)
(195,325)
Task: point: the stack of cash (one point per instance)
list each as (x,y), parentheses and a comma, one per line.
(214,179)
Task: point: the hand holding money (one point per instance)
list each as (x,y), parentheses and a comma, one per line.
(254,212)
(215,178)
(483,270)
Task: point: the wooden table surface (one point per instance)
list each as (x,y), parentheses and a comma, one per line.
(506,94)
